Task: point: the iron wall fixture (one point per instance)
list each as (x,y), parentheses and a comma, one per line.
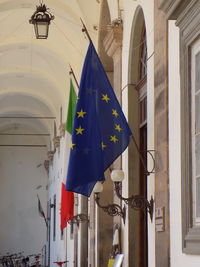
(137,202)
(79,218)
(111,209)
(41,19)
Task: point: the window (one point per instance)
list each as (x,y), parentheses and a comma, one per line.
(190,131)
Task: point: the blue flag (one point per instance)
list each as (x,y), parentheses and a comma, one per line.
(100,133)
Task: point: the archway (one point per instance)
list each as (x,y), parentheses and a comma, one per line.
(138,121)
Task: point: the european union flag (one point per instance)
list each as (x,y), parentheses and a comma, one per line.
(100,133)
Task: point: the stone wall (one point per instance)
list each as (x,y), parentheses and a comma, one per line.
(161,134)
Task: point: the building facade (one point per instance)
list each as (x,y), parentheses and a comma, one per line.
(150,52)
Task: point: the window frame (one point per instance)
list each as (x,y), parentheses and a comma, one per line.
(188,22)
(195,50)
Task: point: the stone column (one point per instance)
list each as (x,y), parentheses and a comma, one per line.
(113,47)
(161,137)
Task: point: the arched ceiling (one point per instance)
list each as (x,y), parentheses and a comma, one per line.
(34,79)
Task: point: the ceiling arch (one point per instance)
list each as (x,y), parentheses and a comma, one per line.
(23,105)
(34,82)
(33,96)
(34,78)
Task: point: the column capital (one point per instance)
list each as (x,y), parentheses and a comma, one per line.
(50,156)
(62,129)
(56,142)
(113,39)
(46,166)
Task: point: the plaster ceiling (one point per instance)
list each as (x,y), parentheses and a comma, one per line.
(34,78)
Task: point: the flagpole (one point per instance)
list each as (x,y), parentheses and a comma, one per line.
(44,214)
(71,72)
(86,31)
(140,155)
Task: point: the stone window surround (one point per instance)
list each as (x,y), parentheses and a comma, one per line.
(188,22)
(173,8)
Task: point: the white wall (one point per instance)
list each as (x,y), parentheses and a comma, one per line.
(61,250)
(177,257)
(22,229)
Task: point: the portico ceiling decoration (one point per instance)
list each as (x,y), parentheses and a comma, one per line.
(34,73)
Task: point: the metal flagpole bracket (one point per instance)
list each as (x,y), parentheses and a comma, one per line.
(150,152)
(141,157)
(71,72)
(84,29)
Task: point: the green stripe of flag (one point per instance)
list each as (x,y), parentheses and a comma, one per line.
(71,108)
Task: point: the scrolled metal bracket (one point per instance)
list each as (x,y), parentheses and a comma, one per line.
(111,209)
(137,202)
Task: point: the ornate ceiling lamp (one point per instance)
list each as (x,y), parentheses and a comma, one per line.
(41,19)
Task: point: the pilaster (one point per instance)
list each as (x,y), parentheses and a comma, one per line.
(56,142)
(62,129)
(113,47)
(161,135)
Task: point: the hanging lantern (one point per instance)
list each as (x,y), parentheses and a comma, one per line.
(41,20)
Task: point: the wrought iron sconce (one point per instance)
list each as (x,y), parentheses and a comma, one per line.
(137,202)
(79,218)
(111,209)
(41,19)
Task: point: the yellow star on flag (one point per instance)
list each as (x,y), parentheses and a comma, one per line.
(114,112)
(72,145)
(105,98)
(79,130)
(118,128)
(103,145)
(81,113)
(113,139)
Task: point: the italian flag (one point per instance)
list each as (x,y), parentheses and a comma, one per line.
(67,197)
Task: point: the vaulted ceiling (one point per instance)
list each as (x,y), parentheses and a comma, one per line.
(34,74)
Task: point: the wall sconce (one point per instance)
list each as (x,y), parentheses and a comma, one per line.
(111,209)
(136,202)
(41,19)
(79,218)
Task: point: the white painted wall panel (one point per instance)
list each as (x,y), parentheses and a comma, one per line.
(22,229)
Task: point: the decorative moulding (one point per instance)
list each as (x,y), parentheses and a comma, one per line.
(50,155)
(46,166)
(173,8)
(56,142)
(113,38)
(62,129)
